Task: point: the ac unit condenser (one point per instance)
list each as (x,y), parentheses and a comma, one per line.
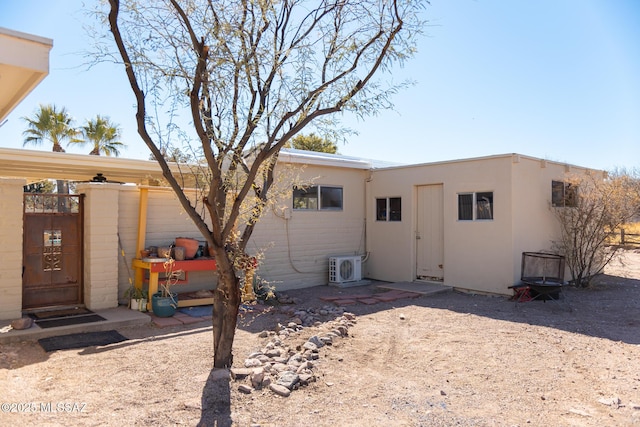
(345,269)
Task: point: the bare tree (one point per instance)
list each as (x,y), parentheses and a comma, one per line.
(251,75)
(594,206)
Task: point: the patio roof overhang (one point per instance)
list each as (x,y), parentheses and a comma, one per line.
(24,62)
(35,165)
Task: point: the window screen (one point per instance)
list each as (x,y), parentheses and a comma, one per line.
(465,207)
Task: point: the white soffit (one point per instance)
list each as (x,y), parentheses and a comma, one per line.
(35,165)
(24,62)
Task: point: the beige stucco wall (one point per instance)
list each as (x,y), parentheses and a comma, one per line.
(536,227)
(11,248)
(478,255)
(475,252)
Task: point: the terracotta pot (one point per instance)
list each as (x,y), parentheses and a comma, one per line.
(190,246)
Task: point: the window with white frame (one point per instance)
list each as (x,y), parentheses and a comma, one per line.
(475,206)
(317,197)
(389,209)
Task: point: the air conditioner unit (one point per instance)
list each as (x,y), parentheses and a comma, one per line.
(345,269)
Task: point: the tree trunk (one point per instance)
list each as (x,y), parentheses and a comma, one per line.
(226,302)
(62,187)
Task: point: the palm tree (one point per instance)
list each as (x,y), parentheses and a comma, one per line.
(53,125)
(104,136)
(50,124)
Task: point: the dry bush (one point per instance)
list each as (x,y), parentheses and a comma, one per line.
(599,205)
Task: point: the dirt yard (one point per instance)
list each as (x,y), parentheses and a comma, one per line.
(450,359)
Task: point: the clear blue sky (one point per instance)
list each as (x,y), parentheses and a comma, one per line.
(555,79)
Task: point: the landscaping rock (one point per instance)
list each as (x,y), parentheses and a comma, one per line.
(23,323)
(252,363)
(257,377)
(240,373)
(305,379)
(282,369)
(289,379)
(243,388)
(309,346)
(317,341)
(280,390)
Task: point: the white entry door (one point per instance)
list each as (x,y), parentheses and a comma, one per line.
(429,233)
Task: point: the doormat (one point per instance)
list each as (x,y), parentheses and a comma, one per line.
(50,314)
(71,320)
(86,339)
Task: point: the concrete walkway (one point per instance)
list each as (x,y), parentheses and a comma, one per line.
(115,318)
(122,317)
(393,292)
(423,288)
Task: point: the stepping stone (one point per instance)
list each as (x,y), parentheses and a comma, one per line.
(369,301)
(345,302)
(356,296)
(332,298)
(190,320)
(163,322)
(186,319)
(408,294)
(386,298)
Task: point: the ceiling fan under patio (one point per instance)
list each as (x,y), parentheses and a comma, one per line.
(99,177)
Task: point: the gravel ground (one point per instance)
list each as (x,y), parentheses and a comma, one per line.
(449,359)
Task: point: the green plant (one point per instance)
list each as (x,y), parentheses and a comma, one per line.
(136,293)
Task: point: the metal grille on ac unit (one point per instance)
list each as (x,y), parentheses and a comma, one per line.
(345,269)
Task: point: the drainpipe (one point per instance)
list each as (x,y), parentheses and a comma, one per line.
(367,181)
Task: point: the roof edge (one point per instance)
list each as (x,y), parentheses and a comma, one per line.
(26,36)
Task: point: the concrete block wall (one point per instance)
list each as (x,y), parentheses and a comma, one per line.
(11,226)
(128,201)
(297,244)
(166,220)
(100,244)
(296,250)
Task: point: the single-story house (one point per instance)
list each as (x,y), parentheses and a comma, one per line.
(462,223)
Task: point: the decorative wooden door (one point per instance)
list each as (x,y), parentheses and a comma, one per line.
(52,250)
